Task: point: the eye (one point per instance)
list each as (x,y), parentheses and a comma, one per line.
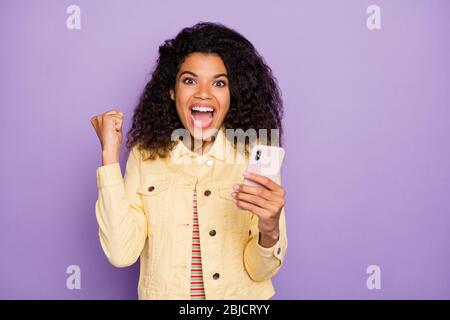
(188,81)
(221,83)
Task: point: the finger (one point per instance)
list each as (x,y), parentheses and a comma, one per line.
(117,119)
(96,123)
(115,115)
(260,212)
(112,111)
(258,191)
(265,181)
(260,202)
(117,124)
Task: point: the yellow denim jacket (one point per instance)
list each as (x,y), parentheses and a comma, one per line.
(148,213)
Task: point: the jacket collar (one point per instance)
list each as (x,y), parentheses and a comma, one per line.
(219,149)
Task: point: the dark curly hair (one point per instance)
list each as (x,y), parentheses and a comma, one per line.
(255,99)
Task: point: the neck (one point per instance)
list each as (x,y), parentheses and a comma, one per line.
(202,147)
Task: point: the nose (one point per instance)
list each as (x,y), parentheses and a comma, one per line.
(203,92)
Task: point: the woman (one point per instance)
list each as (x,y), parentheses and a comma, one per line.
(181,207)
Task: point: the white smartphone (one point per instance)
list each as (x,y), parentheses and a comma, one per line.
(266,161)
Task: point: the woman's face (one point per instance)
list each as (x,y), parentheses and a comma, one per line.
(202,94)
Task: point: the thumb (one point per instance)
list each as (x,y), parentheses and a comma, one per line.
(118,123)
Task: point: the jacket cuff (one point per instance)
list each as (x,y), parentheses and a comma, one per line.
(276,250)
(109,175)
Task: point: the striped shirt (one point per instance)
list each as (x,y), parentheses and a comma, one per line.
(197,288)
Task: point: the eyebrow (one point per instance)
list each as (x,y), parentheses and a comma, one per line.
(195,75)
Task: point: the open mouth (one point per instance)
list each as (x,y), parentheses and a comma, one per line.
(202,115)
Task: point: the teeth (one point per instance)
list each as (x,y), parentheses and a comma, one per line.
(202,109)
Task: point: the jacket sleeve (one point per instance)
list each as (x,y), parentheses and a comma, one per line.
(120,213)
(263,263)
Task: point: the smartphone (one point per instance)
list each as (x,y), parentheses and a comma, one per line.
(266,161)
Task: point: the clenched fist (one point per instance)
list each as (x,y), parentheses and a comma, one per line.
(108,127)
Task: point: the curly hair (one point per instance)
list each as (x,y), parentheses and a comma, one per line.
(255,99)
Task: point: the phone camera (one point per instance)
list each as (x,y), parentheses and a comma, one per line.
(258,155)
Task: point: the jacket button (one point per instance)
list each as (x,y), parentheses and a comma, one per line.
(207,192)
(151,188)
(249,232)
(212,233)
(278,250)
(216,276)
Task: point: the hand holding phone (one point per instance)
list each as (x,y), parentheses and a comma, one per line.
(266,161)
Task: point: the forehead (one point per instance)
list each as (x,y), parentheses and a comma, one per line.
(205,64)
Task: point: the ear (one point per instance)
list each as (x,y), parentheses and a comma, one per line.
(172,94)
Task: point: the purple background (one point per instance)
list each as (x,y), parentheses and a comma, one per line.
(367,136)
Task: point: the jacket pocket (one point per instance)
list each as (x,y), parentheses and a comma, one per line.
(225,191)
(237,220)
(154,191)
(153,185)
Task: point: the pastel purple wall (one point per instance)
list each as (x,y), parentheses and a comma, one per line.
(367,125)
